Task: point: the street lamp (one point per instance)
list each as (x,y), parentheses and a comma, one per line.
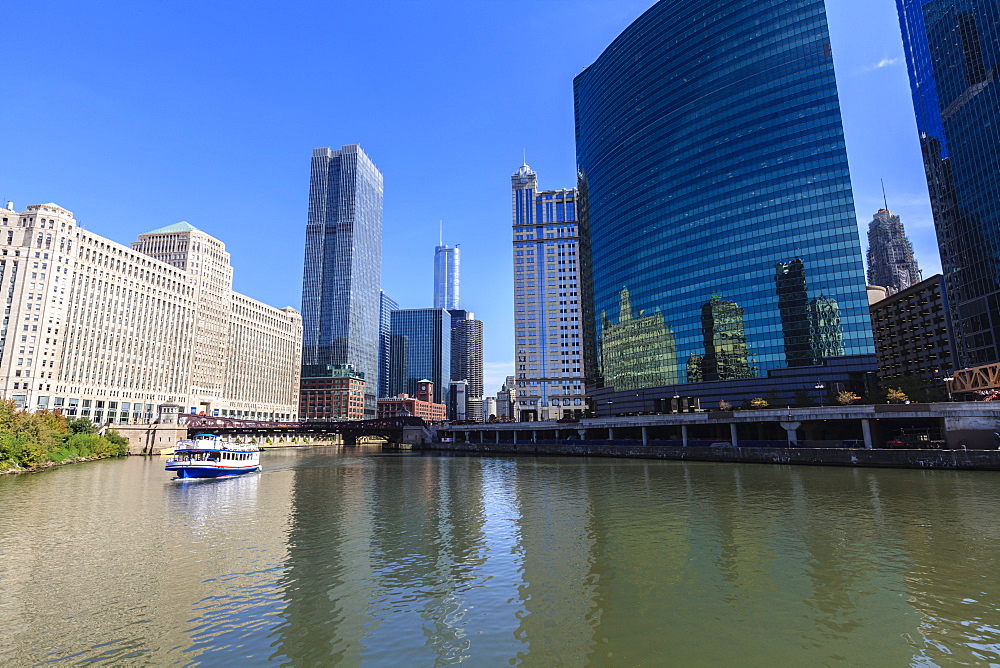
(822,399)
(947,385)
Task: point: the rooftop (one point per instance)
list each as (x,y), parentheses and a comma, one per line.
(182,226)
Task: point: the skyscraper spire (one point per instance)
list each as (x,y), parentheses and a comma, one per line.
(883,195)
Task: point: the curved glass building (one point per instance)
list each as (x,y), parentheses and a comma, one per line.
(716,201)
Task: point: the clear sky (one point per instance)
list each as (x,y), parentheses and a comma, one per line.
(138,115)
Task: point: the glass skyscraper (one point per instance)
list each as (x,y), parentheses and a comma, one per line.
(953,55)
(386,306)
(446,264)
(343,264)
(420,349)
(711,156)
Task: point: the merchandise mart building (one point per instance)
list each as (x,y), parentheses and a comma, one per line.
(721,255)
(99,330)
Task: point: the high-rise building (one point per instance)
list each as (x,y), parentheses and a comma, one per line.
(446,265)
(386,306)
(890,256)
(506,398)
(343,264)
(700,171)
(952,52)
(548,336)
(467,350)
(420,350)
(99,330)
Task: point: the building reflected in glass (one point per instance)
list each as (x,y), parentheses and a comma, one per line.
(639,350)
(710,150)
(953,55)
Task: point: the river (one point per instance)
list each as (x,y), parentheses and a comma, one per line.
(345,556)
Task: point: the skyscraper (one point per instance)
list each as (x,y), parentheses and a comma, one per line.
(548,341)
(343,264)
(420,349)
(386,306)
(890,255)
(699,171)
(446,261)
(953,55)
(467,351)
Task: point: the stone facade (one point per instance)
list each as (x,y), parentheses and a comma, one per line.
(99,330)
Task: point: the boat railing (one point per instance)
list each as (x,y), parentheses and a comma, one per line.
(211,444)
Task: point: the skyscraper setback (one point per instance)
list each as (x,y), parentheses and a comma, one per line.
(343,265)
(952,52)
(890,255)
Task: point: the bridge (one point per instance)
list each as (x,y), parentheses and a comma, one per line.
(391,429)
(980,379)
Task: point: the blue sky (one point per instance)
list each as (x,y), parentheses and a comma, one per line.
(139,115)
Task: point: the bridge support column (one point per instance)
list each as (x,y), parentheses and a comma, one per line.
(732,435)
(790,427)
(515,437)
(534,436)
(468,437)
(866,429)
(482,437)
(645,436)
(497,432)
(684,435)
(583,434)
(611,433)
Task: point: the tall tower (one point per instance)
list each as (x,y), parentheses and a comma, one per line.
(386,306)
(343,264)
(952,47)
(890,255)
(446,277)
(548,336)
(700,188)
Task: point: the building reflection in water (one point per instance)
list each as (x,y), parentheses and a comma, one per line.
(554,560)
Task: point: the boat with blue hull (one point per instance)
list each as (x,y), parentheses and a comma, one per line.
(209,456)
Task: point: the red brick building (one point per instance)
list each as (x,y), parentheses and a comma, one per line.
(332,392)
(420,406)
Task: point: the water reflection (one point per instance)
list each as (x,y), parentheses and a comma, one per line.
(346,556)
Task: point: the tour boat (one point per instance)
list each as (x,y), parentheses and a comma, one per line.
(208,456)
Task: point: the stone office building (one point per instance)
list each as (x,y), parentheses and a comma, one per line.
(99,330)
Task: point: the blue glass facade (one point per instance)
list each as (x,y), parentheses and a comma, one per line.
(343,264)
(446,288)
(386,306)
(420,349)
(717,217)
(953,54)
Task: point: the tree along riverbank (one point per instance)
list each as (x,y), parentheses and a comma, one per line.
(34,441)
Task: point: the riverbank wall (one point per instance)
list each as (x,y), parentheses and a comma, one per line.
(977,460)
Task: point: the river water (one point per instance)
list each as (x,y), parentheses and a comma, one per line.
(351,556)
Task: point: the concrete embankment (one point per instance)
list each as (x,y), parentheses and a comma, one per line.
(983,460)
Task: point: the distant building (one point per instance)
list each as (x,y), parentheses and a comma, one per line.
(890,255)
(506,398)
(343,264)
(489,408)
(951,49)
(386,306)
(446,277)
(420,349)
(458,406)
(913,337)
(467,351)
(332,392)
(100,330)
(547,304)
(405,405)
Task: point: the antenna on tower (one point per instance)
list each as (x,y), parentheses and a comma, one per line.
(884,200)
(440,233)
(524,157)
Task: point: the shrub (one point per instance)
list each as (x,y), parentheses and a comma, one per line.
(758,402)
(895,396)
(725,405)
(845,398)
